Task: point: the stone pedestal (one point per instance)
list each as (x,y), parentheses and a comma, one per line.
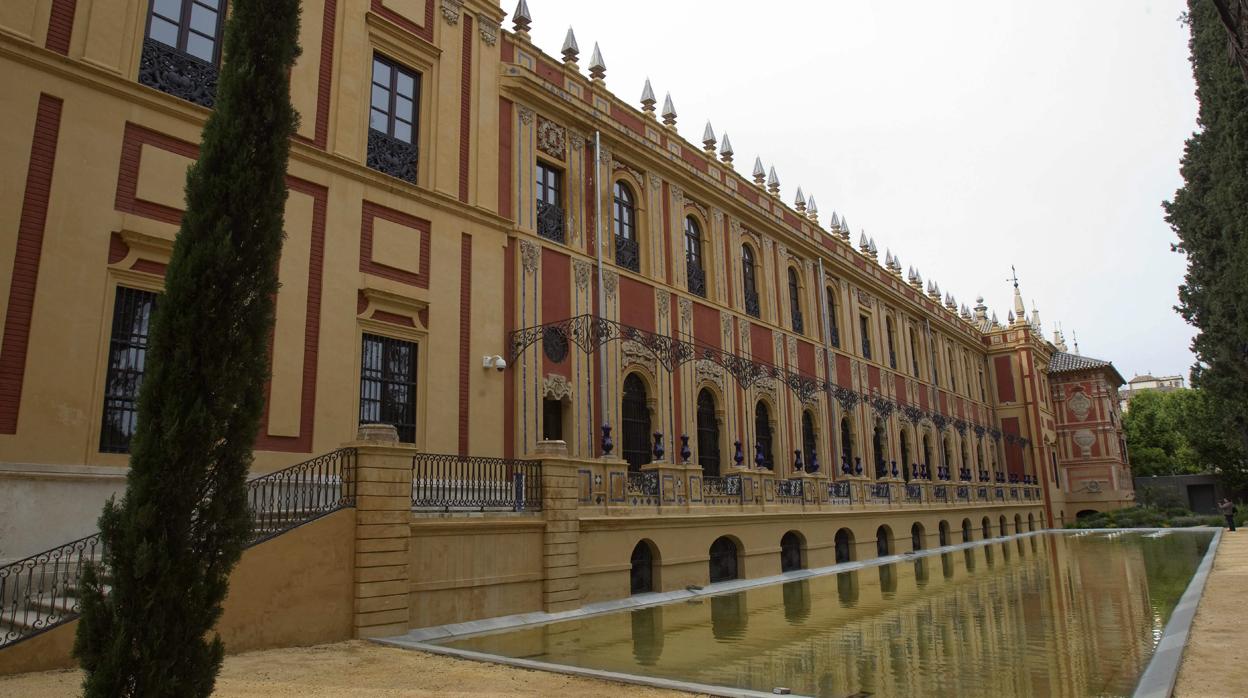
(561,589)
(673,483)
(383,506)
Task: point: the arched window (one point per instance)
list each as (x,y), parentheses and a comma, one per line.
(627,251)
(986,524)
(832,321)
(892,344)
(914,352)
(883,541)
(967,535)
(905,455)
(847,444)
(791,551)
(749,281)
(944,533)
(844,541)
(953,371)
(917,534)
(641,576)
(693,257)
(708,434)
(635,414)
(877,445)
(724,565)
(809,442)
(762,434)
(795,301)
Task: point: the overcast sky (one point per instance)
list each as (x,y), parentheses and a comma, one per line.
(964,135)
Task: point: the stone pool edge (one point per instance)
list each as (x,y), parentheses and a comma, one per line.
(1162,672)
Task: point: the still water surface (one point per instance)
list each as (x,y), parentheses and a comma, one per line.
(1047,615)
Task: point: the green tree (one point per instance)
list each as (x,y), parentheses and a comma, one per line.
(1210,215)
(1155,427)
(183,521)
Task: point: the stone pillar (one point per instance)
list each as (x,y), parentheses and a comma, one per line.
(561,570)
(383,511)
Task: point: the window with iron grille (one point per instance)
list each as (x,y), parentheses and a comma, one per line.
(388,384)
(549,191)
(693,257)
(892,344)
(809,442)
(832,323)
(795,301)
(864,325)
(635,416)
(127,361)
(749,282)
(762,433)
(393,123)
(914,352)
(708,433)
(625,219)
(190,26)
(181,49)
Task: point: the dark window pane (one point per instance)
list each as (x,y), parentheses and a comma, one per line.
(203,20)
(388,384)
(127,361)
(164,32)
(199,47)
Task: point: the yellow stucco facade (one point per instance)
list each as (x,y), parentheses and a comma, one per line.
(539,262)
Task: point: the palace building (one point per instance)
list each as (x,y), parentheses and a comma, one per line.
(490,251)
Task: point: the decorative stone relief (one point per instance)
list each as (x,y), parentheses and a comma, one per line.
(556,387)
(717,216)
(778,348)
(792,350)
(656,182)
(451,10)
(528,256)
(552,138)
(526,115)
(488,29)
(864,298)
(610,280)
(705,370)
(580,270)
(782,252)
(1084,439)
(686,310)
(734,225)
(725,325)
(664,301)
(699,208)
(577,140)
(744,332)
(1080,405)
(767,245)
(617,165)
(636,354)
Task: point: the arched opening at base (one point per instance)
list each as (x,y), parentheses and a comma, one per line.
(641,576)
(1086,513)
(725,563)
(944,533)
(791,549)
(883,541)
(967,535)
(844,545)
(917,535)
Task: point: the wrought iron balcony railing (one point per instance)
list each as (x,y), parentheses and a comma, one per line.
(389,155)
(627,253)
(446,482)
(178,73)
(697,278)
(550,222)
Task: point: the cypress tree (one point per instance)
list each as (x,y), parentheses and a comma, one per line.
(1210,215)
(183,521)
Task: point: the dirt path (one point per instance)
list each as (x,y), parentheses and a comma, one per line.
(361,670)
(1215,662)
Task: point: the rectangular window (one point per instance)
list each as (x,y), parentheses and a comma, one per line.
(388,384)
(127,361)
(393,124)
(864,325)
(549,191)
(552,420)
(192,27)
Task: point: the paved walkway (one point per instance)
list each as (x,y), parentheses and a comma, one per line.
(1215,662)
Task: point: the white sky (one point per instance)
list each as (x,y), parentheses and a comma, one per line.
(964,135)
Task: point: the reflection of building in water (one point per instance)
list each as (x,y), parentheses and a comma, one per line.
(1049,617)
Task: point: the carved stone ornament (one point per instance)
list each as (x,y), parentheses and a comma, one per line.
(744,330)
(709,371)
(717,216)
(610,280)
(778,341)
(488,29)
(782,252)
(580,270)
(725,324)
(734,225)
(656,182)
(528,256)
(686,310)
(577,140)
(616,165)
(699,208)
(1080,405)
(526,115)
(767,244)
(678,196)
(1084,440)
(792,350)
(865,298)
(556,387)
(635,353)
(664,302)
(451,10)
(551,138)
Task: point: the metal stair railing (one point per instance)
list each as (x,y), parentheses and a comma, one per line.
(40,592)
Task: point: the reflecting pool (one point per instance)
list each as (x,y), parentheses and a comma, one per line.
(1046,615)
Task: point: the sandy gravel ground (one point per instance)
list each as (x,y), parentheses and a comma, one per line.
(1215,662)
(358,669)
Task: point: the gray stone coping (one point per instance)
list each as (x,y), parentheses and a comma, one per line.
(1162,671)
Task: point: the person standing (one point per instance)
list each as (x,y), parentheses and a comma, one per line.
(1228,510)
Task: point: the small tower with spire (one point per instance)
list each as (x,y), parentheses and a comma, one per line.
(799,202)
(760,175)
(570,50)
(812,210)
(647,99)
(773,183)
(725,149)
(521,20)
(597,68)
(669,112)
(708,139)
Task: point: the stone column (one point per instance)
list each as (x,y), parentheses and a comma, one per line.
(561,584)
(383,511)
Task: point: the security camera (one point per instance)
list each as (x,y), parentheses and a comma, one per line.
(496,362)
